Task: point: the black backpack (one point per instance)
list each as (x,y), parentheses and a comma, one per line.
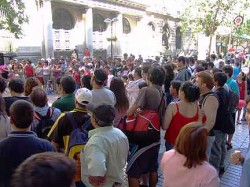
(233,100)
(45,123)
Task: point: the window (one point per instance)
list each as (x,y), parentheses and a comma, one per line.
(98,23)
(126,26)
(178,38)
(62,19)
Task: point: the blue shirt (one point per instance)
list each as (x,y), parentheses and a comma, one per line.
(15,149)
(236,72)
(232,84)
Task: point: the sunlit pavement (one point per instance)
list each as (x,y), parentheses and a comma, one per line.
(232,173)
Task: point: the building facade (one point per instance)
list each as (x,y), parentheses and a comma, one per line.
(104,27)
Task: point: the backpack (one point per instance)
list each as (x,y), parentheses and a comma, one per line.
(77,141)
(233,100)
(45,123)
(78,136)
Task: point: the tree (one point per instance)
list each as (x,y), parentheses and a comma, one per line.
(204,16)
(12,16)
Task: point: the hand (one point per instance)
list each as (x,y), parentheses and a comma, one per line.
(236,158)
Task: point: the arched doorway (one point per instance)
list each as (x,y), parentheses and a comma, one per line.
(165,36)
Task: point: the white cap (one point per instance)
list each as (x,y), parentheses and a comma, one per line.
(83,96)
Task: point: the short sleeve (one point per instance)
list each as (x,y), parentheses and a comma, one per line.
(140,101)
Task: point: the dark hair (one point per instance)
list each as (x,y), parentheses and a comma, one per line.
(199,68)
(213,56)
(191,91)
(228,70)
(30,83)
(192,143)
(192,60)
(176,84)
(207,79)
(182,59)
(38,97)
(16,85)
(48,169)
(22,113)
(244,76)
(3,84)
(156,75)
(138,71)
(86,79)
(2,107)
(215,70)
(68,84)
(169,69)
(117,86)
(220,78)
(100,77)
(210,64)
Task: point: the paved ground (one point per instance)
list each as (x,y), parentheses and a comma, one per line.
(232,173)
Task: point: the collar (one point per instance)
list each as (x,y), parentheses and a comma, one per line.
(19,134)
(68,95)
(99,130)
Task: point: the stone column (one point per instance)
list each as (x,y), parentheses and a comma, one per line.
(48,30)
(119,35)
(89,30)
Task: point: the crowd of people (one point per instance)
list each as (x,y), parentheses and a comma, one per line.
(191,99)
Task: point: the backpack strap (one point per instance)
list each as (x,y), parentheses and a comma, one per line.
(72,120)
(49,114)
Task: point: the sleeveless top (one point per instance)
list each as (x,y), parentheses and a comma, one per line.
(202,100)
(179,121)
(242,88)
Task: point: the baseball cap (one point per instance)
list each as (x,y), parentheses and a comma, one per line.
(105,114)
(83,96)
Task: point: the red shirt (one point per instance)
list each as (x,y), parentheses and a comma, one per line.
(177,123)
(242,88)
(87,53)
(76,76)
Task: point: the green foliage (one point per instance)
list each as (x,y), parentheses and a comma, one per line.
(204,16)
(12,16)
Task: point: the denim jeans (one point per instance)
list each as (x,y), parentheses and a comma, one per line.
(210,143)
(218,151)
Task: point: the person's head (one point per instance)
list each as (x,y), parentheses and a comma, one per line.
(21,114)
(16,85)
(174,87)
(99,78)
(145,68)
(137,73)
(67,84)
(220,79)
(118,88)
(192,143)
(83,96)
(38,97)
(102,115)
(169,71)
(228,70)
(210,65)
(30,83)
(189,92)
(204,81)
(212,57)
(181,62)
(156,76)
(242,76)
(85,82)
(3,85)
(47,169)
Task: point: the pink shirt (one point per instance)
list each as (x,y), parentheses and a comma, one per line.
(176,175)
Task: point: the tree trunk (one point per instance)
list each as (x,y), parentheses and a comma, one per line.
(210,45)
